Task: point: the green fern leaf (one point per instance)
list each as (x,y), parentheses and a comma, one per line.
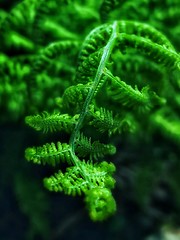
(74,96)
(49,154)
(154,51)
(96,39)
(145,31)
(88,67)
(100,203)
(94,150)
(73,183)
(104,121)
(51,122)
(142,101)
(69,182)
(51,52)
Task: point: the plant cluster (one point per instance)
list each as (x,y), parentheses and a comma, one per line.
(122,79)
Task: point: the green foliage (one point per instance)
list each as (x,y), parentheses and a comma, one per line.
(132,97)
(74,97)
(95,186)
(167,123)
(104,121)
(51,122)
(72,183)
(94,72)
(100,203)
(49,153)
(115,80)
(95,150)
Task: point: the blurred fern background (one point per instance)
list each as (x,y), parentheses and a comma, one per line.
(148,167)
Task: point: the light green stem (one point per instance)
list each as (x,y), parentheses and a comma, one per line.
(104,59)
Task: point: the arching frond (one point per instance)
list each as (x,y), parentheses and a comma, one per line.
(52,51)
(154,51)
(146,31)
(96,39)
(130,97)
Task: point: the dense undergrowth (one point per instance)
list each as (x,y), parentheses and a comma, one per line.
(101,81)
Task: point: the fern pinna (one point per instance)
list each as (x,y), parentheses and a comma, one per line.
(99,83)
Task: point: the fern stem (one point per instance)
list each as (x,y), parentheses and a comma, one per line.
(104,59)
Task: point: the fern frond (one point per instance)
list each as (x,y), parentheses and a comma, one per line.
(104,121)
(145,31)
(51,122)
(96,39)
(69,182)
(131,97)
(100,203)
(106,7)
(51,52)
(72,183)
(20,15)
(95,150)
(154,51)
(99,200)
(49,154)
(88,67)
(168,126)
(143,69)
(74,96)
(137,64)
